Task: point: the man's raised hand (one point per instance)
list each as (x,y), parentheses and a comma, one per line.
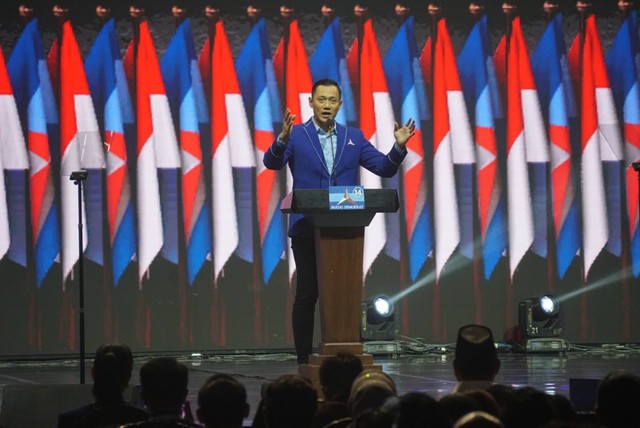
(287,124)
(405,132)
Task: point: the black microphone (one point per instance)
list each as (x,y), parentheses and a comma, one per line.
(331,124)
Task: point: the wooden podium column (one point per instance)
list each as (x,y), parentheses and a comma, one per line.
(339,255)
(339,258)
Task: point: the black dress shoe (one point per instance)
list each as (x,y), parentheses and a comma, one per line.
(303,359)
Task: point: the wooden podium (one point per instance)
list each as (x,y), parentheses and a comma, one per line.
(339,241)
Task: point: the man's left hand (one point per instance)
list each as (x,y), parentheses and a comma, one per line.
(405,132)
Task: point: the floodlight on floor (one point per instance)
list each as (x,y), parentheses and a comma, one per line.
(377,319)
(539,328)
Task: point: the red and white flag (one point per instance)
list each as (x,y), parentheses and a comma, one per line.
(595,231)
(446,214)
(157,148)
(377,124)
(11,145)
(296,82)
(520,215)
(80,144)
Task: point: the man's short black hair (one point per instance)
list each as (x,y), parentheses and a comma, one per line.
(112,367)
(164,382)
(222,401)
(337,374)
(326,82)
(289,402)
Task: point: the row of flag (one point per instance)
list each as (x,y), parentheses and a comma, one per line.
(513,153)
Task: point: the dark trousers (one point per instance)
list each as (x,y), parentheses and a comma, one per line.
(304,305)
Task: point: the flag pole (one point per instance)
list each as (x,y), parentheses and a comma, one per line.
(509,9)
(362,14)
(136,12)
(477,11)
(402,12)
(328,11)
(34,325)
(583,10)
(179,13)
(61,14)
(624,8)
(103,12)
(287,14)
(434,11)
(78,177)
(212,14)
(551,9)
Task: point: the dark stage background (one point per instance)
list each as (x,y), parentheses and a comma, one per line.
(242,313)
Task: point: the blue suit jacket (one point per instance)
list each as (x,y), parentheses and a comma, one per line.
(304,155)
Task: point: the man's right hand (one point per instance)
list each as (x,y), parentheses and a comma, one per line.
(287,124)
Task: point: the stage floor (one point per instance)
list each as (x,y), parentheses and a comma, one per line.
(429,372)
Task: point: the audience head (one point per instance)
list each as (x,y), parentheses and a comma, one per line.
(476,358)
(529,408)
(618,403)
(111,371)
(564,409)
(478,420)
(222,402)
(503,394)
(164,385)
(289,402)
(369,391)
(486,402)
(373,418)
(337,374)
(456,405)
(415,410)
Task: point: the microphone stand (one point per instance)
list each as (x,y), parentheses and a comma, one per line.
(333,180)
(78,177)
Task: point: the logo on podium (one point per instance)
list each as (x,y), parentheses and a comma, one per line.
(346,198)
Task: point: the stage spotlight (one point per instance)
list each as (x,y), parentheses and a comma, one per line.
(377,322)
(539,327)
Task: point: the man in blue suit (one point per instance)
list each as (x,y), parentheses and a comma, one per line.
(322,153)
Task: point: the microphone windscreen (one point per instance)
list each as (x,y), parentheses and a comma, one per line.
(330,123)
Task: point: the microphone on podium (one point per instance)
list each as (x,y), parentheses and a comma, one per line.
(331,124)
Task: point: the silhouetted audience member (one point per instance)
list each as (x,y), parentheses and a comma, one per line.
(529,408)
(456,405)
(164,390)
(618,402)
(222,402)
(476,362)
(485,401)
(289,402)
(565,412)
(337,374)
(478,420)
(415,410)
(369,391)
(372,418)
(503,394)
(111,373)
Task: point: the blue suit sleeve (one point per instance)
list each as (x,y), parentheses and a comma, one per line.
(379,163)
(277,156)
